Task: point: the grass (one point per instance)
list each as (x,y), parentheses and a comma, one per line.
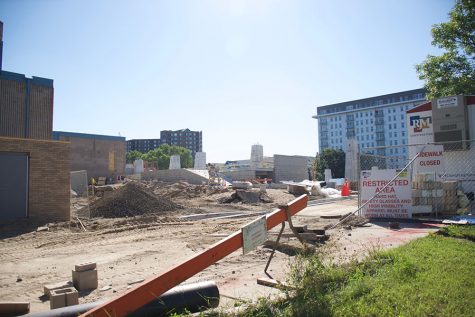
(431,276)
(462,232)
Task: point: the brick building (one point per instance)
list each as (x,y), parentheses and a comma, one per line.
(34,169)
(99,155)
(191,140)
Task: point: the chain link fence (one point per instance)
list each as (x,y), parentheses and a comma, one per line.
(435,179)
(79,195)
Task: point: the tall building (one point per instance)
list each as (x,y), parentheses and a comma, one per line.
(374,122)
(26,104)
(143,145)
(192,140)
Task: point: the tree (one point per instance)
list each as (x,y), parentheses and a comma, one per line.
(163,153)
(332,159)
(453,72)
(132,156)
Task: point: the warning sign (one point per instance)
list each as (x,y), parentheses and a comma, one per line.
(254,234)
(391,201)
(430,159)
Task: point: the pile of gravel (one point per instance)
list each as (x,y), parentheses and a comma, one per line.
(131,200)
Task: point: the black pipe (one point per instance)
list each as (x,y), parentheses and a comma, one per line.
(190,298)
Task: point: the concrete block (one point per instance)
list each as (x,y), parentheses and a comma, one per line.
(72,297)
(297,189)
(426,193)
(14,308)
(422,209)
(416,193)
(57,300)
(63,297)
(450,185)
(48,288)
(85,266)
(85,280)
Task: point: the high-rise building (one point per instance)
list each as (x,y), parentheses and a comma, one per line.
(373,122)
(191,140)
(143,145)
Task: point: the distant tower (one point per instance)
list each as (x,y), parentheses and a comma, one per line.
(257,154)
(200,161)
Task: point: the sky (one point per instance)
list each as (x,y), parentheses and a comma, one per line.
(243,72)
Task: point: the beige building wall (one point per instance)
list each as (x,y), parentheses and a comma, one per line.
(100,156)
(48,184)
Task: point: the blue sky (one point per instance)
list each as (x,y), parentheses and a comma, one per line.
(240,71)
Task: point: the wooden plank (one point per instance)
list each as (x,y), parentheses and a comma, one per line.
(270,282)
(151,289)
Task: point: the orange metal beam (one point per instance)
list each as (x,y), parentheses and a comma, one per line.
(156,286)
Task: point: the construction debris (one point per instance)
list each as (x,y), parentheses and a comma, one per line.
(130,200)
(247,197)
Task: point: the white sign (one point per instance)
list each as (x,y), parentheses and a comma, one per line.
(393,201)
(419,130)
(430,160)
(447,102)
(254,234)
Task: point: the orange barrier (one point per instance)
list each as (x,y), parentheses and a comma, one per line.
(345,190)
(156,286)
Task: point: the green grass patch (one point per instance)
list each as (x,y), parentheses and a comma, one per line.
(461,232)
(431,276)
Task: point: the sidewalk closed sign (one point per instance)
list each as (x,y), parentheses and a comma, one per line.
(391,201)
(430,159)
(254,234)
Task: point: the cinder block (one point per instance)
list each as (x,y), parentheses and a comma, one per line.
(64,297)
(450,185)
(422,209)
(85,266)
(416,193)
(57,300)
(48,288)
(85,280)
(426,193)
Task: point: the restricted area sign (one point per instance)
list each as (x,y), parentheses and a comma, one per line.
(392,201)
(254,234)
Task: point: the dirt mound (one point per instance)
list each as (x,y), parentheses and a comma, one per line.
(184,190)
(130,200)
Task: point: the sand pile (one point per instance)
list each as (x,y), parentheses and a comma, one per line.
(131,200)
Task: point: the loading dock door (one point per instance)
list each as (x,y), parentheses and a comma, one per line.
(13,185)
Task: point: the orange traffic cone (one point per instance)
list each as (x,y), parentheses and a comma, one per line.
(345,190)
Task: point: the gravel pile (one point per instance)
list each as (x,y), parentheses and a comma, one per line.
(131,200)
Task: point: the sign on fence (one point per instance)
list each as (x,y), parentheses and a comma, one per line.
(254,234)
(430,160)
(393,201)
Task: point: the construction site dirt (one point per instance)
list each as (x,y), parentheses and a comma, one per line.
(131,249)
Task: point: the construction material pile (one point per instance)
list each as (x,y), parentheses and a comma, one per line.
(130,200)
(184,190)
(246,196)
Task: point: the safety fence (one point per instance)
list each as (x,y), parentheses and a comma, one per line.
(436,179)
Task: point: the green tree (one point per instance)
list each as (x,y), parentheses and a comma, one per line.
(332,159)
(132,156)
(163,153)
(453,72)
